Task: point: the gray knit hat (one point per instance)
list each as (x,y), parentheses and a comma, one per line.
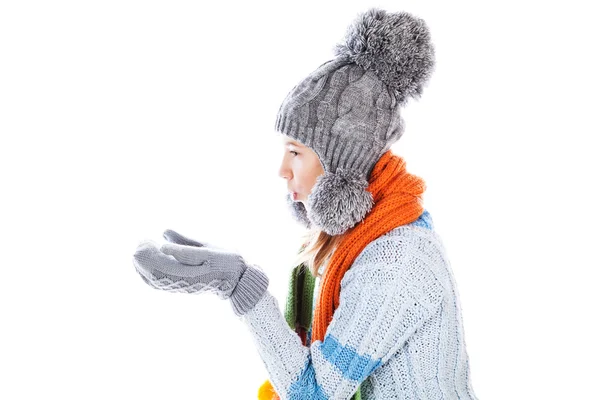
(348,112)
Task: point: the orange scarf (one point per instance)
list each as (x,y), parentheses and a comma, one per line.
(397,195)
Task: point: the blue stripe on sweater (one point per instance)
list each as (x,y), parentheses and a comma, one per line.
(424,220)
(306,386)
(352,366)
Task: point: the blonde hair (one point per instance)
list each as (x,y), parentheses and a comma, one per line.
(319,249)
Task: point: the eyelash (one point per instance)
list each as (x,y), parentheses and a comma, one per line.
(292,151)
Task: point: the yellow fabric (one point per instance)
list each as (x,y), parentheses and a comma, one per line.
(267,392)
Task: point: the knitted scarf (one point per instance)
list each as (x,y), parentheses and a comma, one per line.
(397,197)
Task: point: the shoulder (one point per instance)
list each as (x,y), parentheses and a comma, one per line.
(411,255)
(417,239)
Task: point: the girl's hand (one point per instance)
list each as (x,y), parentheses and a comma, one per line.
(196,267)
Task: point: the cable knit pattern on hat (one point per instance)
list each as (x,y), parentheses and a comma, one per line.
(397,332)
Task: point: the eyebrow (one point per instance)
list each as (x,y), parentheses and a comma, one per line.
(292,142)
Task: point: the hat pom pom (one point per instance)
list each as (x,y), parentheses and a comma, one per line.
(395,46)
(338,201)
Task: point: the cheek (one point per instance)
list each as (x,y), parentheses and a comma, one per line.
(306,173)
(301,180)
(302,177)
(309,180)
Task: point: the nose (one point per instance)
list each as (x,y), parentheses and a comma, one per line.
(284,171)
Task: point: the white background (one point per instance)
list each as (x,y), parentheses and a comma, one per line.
(120,119)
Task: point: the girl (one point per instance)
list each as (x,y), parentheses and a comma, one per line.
(373,311)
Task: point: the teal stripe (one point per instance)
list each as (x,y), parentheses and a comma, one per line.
(306,386)
(424,220)
(352,365)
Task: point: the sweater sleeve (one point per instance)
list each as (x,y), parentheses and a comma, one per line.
(382,303)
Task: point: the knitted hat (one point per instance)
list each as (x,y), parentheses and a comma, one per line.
(348,112)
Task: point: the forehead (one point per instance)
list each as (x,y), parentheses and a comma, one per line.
(287,140)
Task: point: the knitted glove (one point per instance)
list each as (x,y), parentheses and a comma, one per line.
(188,266)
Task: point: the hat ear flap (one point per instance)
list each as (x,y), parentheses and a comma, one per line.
(298,211)
(339,200)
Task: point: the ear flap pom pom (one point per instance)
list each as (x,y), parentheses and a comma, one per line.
(339,201)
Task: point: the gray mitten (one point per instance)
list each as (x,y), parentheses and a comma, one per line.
(187,266)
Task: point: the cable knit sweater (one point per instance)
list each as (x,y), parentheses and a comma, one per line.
(397,331)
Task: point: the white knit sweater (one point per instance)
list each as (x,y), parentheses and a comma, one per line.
(397,331)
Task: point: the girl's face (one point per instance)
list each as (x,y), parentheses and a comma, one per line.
(300,167)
